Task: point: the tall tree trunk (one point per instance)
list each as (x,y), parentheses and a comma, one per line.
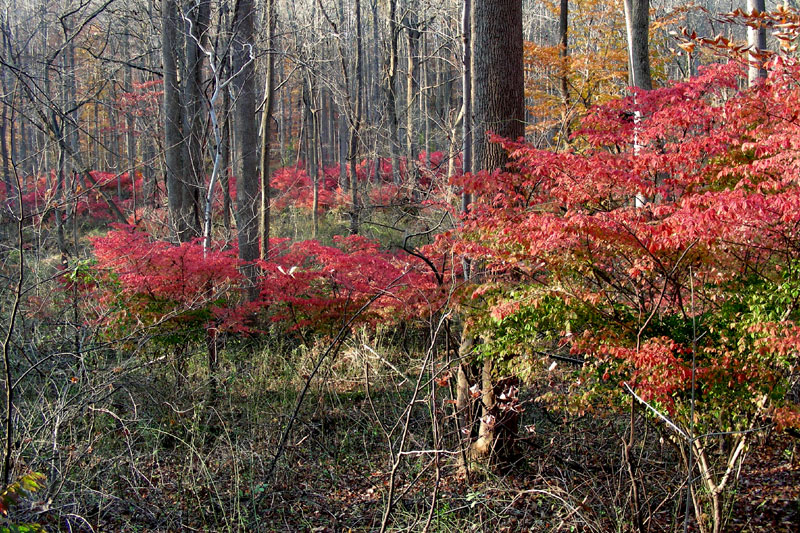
(757,41)
(310,140)
(10,192)
(563,54)
(498,106)
(7,126)
(247,197)
(375,95)
(173,123)
(466,95)
(225,177)
(467,117)
(282,117)
(355,127)
(197,21)
(637,23)
(130,133)
(390,88)
(266,127)
(413,35)
(497,78)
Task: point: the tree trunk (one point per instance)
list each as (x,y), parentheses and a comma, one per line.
(563,54)
(466,95)
(355,126)
(757,41)
(497,78)
(413,35)
(310,140)
(197,18)
(225,178)
(390,88)
(173,123)
(246,141)
(637,23)
(130,135)
(266,127)
(498,106)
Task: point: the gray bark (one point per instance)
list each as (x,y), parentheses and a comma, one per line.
(355,126)
(173,126)
(390,89)
(637,22)
(247,197)
(497,78)
(197,21)
(266,133)
(757,41)
(413,35)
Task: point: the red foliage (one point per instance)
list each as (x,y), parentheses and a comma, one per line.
(139,281)
(295,187)
(311,285)
(705,179)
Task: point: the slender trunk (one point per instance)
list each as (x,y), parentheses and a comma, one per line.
(225,179)
(375,100)
(466,95)
(130,137)
(283,119)
(318,169)
(356,125)
(424,97)
(465,349)
(8,446)
(4,154)
(390,89)
(309,139)
(757,41)
(266,127)
(21,154)
(563,54)
(198,19)
(412,89)
(343,181)
(59,202)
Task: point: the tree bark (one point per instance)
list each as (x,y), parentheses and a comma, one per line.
(390,89)
(247,197)
(413,35)
(173,123)
(498,106)
(637,23)
(197,21)
(466,95)
(497,78)
(266,127)
(757,41)
(355,126)
(563,54)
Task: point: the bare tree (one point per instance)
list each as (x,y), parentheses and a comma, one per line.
(247,197)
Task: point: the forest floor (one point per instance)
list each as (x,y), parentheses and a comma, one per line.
(176,461)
